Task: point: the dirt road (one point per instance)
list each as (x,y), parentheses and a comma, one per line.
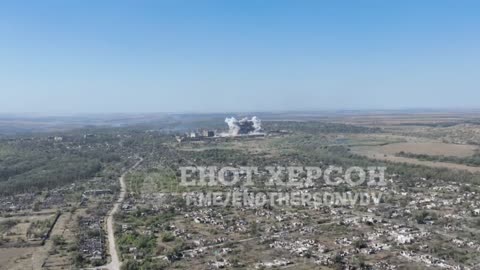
(112,246)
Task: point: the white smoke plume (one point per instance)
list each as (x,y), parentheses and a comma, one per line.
(233,127)
(257,124)
(244,126)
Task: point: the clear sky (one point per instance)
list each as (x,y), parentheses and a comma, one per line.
(87,56)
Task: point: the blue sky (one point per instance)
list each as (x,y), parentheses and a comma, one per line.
(214,56)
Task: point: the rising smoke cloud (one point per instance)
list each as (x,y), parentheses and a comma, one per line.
(243,126)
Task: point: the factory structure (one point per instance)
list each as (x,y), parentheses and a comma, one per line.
(244,127)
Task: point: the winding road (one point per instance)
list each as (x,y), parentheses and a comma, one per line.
(115,262)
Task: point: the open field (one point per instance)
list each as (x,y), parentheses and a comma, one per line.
(374,155)
(54,256)
(17,258)
(37,256)
(389,151)
(26,229)
(429,148)
(406,118)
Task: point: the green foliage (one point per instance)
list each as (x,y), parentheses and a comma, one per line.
(39,228)
(423,216)
(8,224)
(148,264)
(29,165)
(360,243)
(473,160)
(78,260)
(168,237)
(58,240)
(43,166)
(310,150)
(158,180)
(316,127)
(144,243)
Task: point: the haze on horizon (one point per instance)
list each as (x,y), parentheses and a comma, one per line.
(213,56)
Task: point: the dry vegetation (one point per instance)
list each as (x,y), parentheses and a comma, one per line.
(157,232)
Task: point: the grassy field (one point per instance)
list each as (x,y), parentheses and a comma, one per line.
(429,148)
(388,153)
